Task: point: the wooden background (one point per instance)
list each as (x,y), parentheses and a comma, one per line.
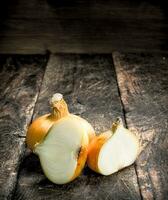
(83,26)
(81,49)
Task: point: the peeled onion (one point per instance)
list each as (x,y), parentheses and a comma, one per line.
(113,150)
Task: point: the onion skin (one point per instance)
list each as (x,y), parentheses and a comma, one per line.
(81,159)
(38,130)
(94,149)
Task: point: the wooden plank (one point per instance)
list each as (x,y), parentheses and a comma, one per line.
(143,83)
(89,86)
(92,9)
(84,27)
(23,44)
(20,79)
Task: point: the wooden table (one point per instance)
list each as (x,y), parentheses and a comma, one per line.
(98,87)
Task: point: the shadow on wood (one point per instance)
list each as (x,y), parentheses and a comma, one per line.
(85,26)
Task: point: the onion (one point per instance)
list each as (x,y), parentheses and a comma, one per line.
(61,140)
(113,150)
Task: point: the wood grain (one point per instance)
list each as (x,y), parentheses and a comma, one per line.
(35,26)
(20,79)
(88,83)
(143,83)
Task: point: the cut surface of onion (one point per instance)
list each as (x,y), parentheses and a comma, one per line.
(60,150)
(118,152)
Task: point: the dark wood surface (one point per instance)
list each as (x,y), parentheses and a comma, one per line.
(143,83)
(89,85)
(99,88)
(20,79)
(80,26)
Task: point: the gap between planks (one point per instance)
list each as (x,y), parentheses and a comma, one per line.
(125,121)
(20,78)
(143,87)
(36,100)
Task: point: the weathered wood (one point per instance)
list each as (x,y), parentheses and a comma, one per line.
(143,83)
(88,83)
(20,78)
(84,27)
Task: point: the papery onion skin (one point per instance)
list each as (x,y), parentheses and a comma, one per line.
(38,130)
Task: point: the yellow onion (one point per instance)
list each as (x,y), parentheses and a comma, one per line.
(113,150)
(61,140)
